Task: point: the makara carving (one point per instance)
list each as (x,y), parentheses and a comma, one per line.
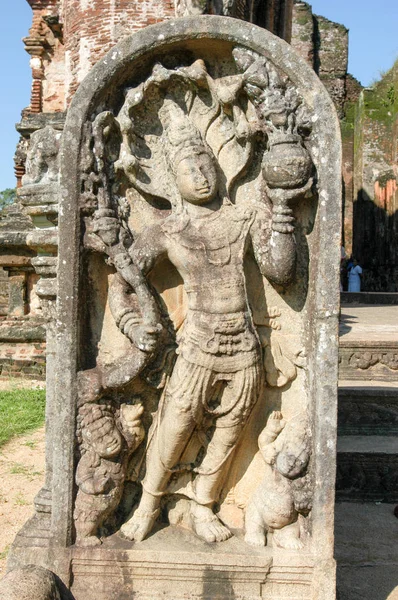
(174,157)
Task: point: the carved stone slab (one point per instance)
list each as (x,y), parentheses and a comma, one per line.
(194,425)
(368,360)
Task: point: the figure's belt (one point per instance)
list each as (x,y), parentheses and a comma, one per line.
(221,363)
(209,336)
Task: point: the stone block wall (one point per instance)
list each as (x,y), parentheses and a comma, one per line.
(22,332)
(324,45)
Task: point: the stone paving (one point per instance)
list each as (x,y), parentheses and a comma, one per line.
(369,322)
(366,549)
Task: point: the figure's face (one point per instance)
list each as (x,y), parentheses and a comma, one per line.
(292,464)
(197,178)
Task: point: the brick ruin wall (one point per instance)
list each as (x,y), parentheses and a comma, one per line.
(375,193)
(92,27)
(369,127)
(22,330)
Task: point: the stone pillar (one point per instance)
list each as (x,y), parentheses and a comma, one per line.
(39,197)
(45,243)
(4,292)
(46,267)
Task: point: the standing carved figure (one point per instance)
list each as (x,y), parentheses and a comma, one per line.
(190,152)
(218,374)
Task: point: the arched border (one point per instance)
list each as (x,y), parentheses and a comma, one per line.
(324,302)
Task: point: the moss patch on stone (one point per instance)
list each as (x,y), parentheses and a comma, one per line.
(347,124)
(385,177)
(381,101)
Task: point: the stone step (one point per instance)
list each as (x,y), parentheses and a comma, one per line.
(366,551)
(370,408)
(367,468)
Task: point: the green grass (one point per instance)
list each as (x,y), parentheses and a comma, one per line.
(20,411)
(18,469)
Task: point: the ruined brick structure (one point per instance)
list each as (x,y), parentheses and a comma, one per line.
(324,45)
(22,334)
(68,37)
(369,126)
(375,193)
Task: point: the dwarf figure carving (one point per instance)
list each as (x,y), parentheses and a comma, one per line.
(107,444)
(284,492)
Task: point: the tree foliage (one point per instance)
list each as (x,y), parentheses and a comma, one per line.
(7,197)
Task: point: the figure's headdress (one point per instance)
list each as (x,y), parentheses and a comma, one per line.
(182,138)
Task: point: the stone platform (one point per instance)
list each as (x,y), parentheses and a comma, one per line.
(173,562)
(378,298)
(369,342)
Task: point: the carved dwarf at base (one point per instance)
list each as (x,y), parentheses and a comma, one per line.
(284,491)
(108,443)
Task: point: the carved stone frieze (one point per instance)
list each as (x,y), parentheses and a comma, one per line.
(367,477)
(42,161)
(369,360)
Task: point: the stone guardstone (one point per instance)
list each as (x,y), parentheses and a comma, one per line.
(194,426)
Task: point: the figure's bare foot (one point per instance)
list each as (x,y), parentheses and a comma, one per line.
(140,525)
(88,541)
(256,537)
(288,537)
(208,526)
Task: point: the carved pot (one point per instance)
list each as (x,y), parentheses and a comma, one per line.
(287,164)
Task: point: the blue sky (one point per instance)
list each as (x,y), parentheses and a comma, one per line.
(373,49)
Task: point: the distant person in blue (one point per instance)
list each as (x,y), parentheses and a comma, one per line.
(354,277)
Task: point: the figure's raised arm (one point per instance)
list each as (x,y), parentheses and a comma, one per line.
(148,247)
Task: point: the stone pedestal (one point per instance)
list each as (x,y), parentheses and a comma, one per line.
(193,423)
